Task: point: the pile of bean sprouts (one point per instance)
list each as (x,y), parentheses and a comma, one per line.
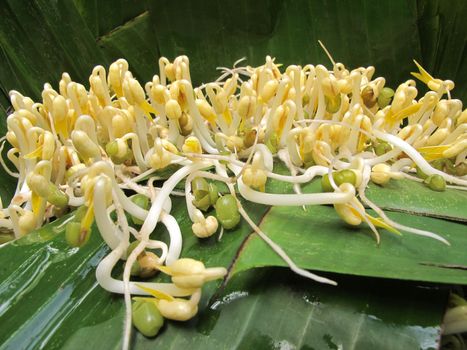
(101,150)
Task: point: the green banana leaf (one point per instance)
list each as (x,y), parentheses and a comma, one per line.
(48,294)
(49,298)
(318,241)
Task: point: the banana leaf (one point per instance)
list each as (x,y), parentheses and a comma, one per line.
(49,297)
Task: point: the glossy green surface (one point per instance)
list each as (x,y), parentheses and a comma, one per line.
(46,282)
(313,316)
(48,294)
(317,239)
(55,303)
(414,197)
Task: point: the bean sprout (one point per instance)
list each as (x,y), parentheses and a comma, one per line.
(105,150)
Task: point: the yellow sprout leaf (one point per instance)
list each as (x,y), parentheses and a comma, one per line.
(165,270)
(156,293)
(37,202)
(88,217)
(37,153)
(404,113)
(433,152)
(192,145)
(423,76)
(148,109)
(378,222)
(362,138)
(62,128)
(227,116)
(432,83)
